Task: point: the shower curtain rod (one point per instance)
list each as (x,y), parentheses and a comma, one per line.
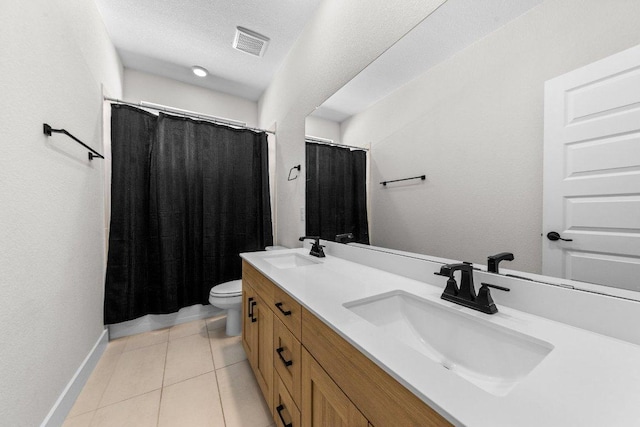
(323,141)
(187,113)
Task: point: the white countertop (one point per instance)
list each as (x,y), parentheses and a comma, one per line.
(587,379)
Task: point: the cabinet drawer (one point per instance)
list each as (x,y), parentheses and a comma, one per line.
(263,286)
(288,311)
(286,359)
(285,411)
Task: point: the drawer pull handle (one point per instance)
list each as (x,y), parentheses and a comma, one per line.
(253,304)
(285,361)
(279,306)
(279,409)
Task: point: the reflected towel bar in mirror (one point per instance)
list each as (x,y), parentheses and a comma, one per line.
(422,177)
(291,170)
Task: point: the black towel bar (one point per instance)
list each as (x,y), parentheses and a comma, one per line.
(422,177)
(92,153)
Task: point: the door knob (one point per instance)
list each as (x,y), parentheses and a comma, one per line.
(553,236)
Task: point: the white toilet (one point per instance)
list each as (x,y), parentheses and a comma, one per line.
(228,296)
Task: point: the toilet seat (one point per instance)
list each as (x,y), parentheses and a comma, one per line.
(227,290)
(226,295)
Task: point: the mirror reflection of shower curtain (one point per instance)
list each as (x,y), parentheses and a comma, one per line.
(336,195)
(187,198)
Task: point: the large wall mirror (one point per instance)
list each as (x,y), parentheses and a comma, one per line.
(460,99)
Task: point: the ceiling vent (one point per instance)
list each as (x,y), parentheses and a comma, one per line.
(250,42)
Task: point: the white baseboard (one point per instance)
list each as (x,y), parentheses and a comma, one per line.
(63,405)
(152,322)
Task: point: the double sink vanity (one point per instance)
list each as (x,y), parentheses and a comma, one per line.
(346,340)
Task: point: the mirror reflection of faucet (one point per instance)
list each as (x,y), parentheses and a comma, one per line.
(345,238)
(494,260)
(465,295)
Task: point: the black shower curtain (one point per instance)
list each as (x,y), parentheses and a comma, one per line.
(187,198)
(336,194)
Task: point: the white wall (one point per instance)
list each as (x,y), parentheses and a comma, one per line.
(55,58)
(140,86)
(474,126)
(322,128)
(339,41)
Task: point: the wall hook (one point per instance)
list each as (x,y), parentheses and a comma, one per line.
(291,170)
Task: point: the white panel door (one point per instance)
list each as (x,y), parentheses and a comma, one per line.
(592,173)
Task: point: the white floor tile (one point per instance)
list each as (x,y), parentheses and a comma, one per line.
(83,420)
(185,329)
(191,375)
(217,322)
(242,400)
(139,411)
(194,403)
(146,339)
(187,357)
(225,350)
(137,372)
(92,392)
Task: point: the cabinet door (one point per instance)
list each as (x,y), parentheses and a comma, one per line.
(323,403)
(263,368)
(249,327)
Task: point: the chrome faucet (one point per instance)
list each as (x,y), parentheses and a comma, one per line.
(465,295)
(316,248)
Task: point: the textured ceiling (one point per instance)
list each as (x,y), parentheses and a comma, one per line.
(166,38)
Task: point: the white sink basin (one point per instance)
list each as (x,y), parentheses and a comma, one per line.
(490,356)
(290,261)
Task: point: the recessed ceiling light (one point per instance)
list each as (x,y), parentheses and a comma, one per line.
(199,71)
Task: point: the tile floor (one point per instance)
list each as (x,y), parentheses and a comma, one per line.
(189,375)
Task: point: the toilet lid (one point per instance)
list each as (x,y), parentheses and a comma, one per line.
(227,289)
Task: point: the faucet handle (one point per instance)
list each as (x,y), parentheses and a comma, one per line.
(484,300)
(489,285)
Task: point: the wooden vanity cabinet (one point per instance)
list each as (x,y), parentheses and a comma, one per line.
(288,311)
(323,402)
(286,412)
(287,360)
(257,339)
(381,398)
(312,377)
(249,330)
